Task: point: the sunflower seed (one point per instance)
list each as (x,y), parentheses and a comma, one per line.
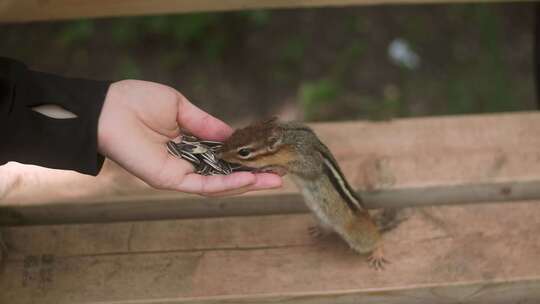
(202,155)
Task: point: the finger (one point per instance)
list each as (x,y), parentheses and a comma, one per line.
(229,192)
(200,123)
(267,181)
(264,181)
(195,183)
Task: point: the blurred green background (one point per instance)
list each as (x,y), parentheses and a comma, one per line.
(311,64)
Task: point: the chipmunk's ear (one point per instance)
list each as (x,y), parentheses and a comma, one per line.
(274,140)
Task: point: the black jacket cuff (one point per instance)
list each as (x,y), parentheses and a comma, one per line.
(32,138)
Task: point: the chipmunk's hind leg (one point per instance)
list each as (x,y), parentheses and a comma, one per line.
(377,260)
(363,236)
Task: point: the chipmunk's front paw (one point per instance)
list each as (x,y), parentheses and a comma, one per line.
(318,232)
(315,232)
(376,260)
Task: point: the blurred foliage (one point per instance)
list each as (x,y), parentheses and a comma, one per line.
(293,51)
(76,33)
(208,34)
(483,83)
(128,69)
(257,17)
(337,69)
(204,32)
(475,84)
(174,39)
(290,59)
(346,58)
(315,94)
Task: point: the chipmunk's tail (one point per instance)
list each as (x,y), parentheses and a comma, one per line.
(388,218)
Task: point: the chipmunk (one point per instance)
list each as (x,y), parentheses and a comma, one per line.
(293,148)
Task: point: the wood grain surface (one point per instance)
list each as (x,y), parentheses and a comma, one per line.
(38,10)
(485,253)
(407,162)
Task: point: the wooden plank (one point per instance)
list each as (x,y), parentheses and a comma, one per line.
(32,10)
(484,253)
(408,162)
(158,208)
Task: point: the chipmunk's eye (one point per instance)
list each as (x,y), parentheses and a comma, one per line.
(244,152)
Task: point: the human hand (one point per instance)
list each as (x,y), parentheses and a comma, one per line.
(138,119)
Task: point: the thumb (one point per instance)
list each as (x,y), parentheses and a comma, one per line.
(200,123)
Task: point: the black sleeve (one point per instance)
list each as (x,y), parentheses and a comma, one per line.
(32,138)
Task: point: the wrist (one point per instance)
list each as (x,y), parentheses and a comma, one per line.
(103,125)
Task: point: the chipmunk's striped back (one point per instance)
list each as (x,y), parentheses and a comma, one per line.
(338,180)
(271,146)
(332,170)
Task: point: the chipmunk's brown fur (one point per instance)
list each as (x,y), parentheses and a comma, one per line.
(293,148)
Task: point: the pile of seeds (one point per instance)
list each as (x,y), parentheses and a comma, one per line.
(202,155)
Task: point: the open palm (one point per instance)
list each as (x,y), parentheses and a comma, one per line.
(137,120)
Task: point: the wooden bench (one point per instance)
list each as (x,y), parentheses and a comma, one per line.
(32,10)
(467,187)
(256,248)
